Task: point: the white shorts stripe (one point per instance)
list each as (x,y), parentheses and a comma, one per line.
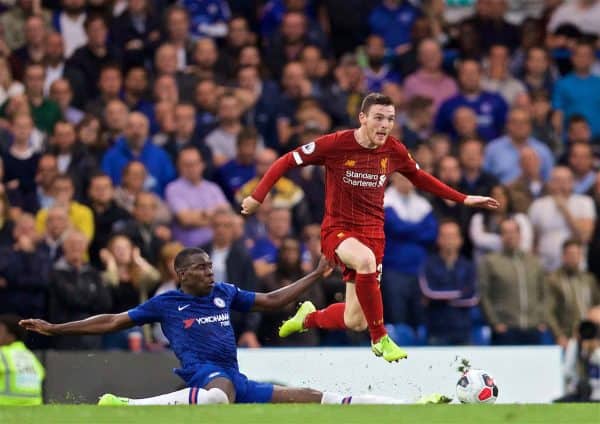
(297,158)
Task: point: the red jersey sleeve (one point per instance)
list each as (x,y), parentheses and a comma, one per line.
(408,167)
(313,153)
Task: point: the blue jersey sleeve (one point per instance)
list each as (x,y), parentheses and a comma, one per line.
(242,300)
(146,313)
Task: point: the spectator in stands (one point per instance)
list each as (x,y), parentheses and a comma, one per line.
(449,172)
(97,52)
(278,225)
(238,171)
(512,288)
(411,229)
(377,72)
(88,132)
(584,14)
(33,49)
(164,114)
(63,190)
(110,84)
(578,130)
(142,228)
(186,134)
(448,283)
(24,269)
(232,262)
(72,157)
(136,32)
(130,278)
(56,67)
(193,200)
(13,21)
(70,22)
(284,194)
(44,111)
(178,34)
(114,116)
(393,20)
(134,180)
(166,65)
(561,215)
(206,96)
(498,78)
(490,24)
(135,145)
(62,94)
(135,90)
(593,263)
(571,293)
(20,162)
(581,162)
(474,179)
(541,123)
(530,185)
(490,108)
(261,103)
(419,121)
(47,171)
(222,140)
(502,154)
(484,229)
(107,213)
(288,268)
(207,61)
(76,292)
(538,75)
(579,92)
(464,122)
(430,80)
(57,226)
(239,35)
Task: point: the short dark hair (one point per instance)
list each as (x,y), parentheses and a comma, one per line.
(91,18)
(577,119)
(247,134)
(375,99)
(11,322)
(571,242)
(185,257)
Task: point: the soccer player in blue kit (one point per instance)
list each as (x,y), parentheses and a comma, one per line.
(195,319)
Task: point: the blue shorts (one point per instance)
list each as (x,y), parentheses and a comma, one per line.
(246,391)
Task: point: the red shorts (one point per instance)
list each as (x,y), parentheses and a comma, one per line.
(332,239)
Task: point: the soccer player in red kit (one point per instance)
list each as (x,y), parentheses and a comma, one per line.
(358,163)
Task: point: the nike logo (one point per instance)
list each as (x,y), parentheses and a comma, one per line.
(181,308)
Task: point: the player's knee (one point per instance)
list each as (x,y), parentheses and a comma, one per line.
(215,396)
(355,322)
(366,264)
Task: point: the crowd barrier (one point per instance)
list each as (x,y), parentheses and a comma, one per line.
(523,374)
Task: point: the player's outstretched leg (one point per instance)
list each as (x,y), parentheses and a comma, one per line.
(330,318)
(190,396)
(359,257)
(304,395)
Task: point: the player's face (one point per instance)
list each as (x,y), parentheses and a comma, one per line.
(379,121)
(198,278)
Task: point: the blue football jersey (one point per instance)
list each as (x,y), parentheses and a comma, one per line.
(198,327)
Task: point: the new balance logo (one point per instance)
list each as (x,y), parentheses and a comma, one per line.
(181,308)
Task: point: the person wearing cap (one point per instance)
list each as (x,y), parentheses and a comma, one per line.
(21,374)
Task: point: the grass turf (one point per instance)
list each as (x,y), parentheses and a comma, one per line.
(304,414)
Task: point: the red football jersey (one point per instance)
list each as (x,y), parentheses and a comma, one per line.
(355,179)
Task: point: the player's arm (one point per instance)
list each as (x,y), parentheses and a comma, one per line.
(97,324)
(309,154)
(279,298)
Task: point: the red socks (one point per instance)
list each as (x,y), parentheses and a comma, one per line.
(369,297)
(330,318)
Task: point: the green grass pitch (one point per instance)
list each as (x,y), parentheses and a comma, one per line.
(304,414)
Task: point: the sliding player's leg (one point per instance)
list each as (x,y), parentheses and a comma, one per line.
(219,390)
(303,395)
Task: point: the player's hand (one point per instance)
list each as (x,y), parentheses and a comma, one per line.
(248,339)
(37,325)
(482,202)
(249,205)
(324,267)
(500,328)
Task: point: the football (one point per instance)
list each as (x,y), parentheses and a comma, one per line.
(476,386)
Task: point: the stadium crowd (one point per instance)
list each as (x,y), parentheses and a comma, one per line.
(132,128)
